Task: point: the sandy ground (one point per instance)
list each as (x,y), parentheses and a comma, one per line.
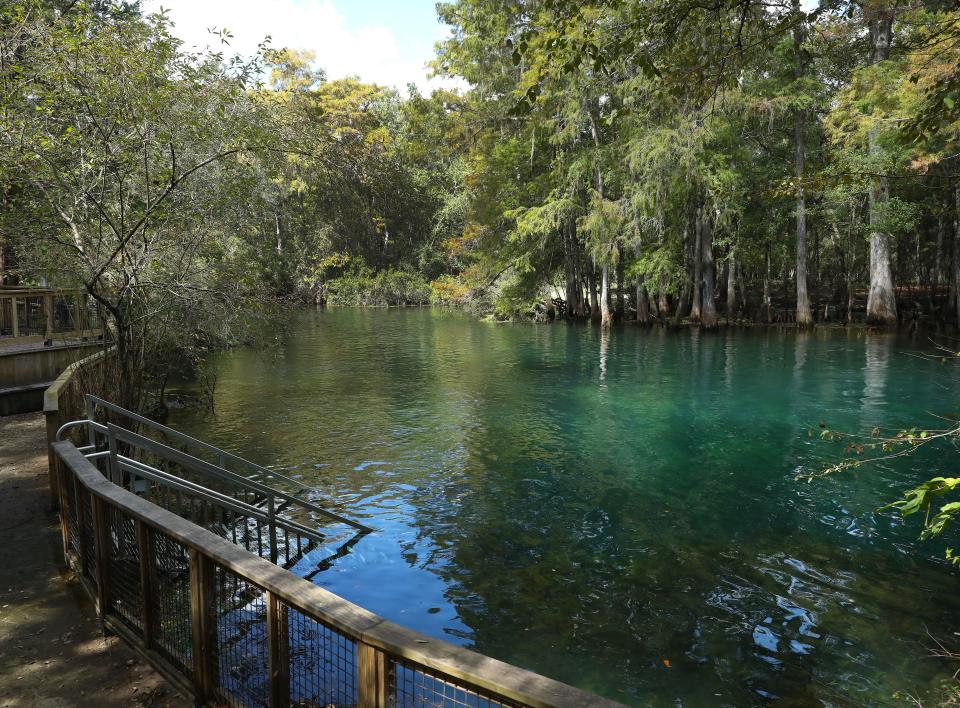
(52,652)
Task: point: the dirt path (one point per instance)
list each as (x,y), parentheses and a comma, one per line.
(52,653)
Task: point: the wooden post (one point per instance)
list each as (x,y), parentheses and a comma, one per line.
(204,627)
(78,325)
(53,463)
(79,492)
(371,677)
(48,311)
(101,532)
(14,319)
(62,482)
(148,580)
(278,643)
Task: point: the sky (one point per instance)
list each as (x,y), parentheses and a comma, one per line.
(382,41)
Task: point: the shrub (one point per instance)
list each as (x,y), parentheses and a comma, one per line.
(387,287)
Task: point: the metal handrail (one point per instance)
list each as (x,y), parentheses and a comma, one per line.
(141,469)
(92,401)
(378,649)
(76,424)
(212,470)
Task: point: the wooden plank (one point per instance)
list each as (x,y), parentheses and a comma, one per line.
(101,532)
(374,634)
(64,477)
(148,580)
(81,495)
(371,692)
(48,311)
(278,647)
(52,422)
(51,397)
(77,324)
(203,626)
(14,317)
(166,669)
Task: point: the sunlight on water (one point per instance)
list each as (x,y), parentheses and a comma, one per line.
(619,511)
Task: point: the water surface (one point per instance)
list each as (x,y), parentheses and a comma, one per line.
(618,511)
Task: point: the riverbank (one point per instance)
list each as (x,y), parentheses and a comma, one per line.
(52,652)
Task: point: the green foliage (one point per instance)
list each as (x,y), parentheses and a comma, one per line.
(924,498)
(363,286)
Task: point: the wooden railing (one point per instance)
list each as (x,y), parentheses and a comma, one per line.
(63,400)
(33,315)
(229,627)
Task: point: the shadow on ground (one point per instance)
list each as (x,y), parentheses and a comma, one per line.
(52,652)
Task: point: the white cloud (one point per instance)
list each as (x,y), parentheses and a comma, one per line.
(370,52)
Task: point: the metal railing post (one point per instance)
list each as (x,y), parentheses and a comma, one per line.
(278,638)
(272,517)
(113,468)
(88,407)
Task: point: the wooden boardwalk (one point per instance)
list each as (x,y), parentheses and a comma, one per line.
(52,652)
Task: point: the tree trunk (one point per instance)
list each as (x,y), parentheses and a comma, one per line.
(620,294)
(570,273)
(592,286)
(663,303)
(742,279)
(881,302)
(708,309)
(697,300)
(804,317)
(683,303)
(643,305)
(731,286)
(955,290)
(276,219)
(937,264)
(766,289)
(606,313)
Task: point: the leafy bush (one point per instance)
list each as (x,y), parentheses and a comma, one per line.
(451,291)
(387,287)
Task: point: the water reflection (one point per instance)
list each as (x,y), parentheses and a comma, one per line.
(644,537)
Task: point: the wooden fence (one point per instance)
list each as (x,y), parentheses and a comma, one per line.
(63,399)
(229,627)
(34,315)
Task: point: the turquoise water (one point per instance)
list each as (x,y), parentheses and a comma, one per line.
(618,511)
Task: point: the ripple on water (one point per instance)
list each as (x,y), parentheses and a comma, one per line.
(641,534)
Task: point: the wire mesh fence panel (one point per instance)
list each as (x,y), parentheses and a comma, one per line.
(413,685)
(6,317)
(123,576)
(64,313)
(92,315)
(172,621)
(73,527)
(241,639)
(323,663)
(89,538)
(31,317)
